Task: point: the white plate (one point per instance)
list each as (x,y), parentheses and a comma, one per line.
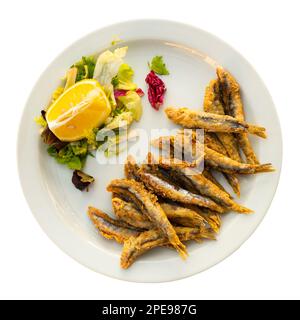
(190,55)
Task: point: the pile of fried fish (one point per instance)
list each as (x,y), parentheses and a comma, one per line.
(167,201)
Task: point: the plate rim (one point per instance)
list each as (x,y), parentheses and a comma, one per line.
(60,244)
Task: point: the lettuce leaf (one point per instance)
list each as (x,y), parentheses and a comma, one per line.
(85,68)
(119,122)
(79,147)
(71,78)
(73,154)
(132,102)
(91,139)
(123,80)
(107,67)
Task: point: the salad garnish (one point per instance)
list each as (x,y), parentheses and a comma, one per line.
(123,79)
(85,68)
(158,66)
(156,87)
(81,180)
(156,90)
(97,95)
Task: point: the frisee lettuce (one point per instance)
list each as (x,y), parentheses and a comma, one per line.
(123,80)
(73,154)
(85,68)
(91,139)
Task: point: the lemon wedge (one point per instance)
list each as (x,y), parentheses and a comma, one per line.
(81,108)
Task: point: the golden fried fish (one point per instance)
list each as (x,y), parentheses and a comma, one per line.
(151,208)
(211,122)
(128,213)
(136,246)
(225,164)
(110,228)
(176,193)
(213,104)
(234,107)
(204,186)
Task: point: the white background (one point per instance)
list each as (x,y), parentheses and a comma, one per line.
(265,32)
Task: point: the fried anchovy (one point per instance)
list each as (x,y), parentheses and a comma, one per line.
(231,178)
(177,214)
(208,188)
(150,207)
(136,246)
(225,164)
(245,145)
(110,228)
(208,175)
(174,192)
(212,141)
(182,148)
(131,169)
(167,142)
(212,101)
(219,161)
(128,213)
(234,107)
(212,218)
(213,104)
(233,181)
(211,122)
(186,147)
(230,91)
(182,216)
(205,186)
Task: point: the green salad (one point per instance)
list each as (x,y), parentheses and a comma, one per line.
(97,96)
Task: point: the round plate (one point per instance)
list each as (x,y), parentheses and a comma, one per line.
(191,56)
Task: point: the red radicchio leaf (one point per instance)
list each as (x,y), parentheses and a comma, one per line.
(120,93)
(140,92)
(81,180)
(156,90)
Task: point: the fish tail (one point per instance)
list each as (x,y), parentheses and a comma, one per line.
(241,209)
(125,260)
(267,167)
(181,248)
(208,234)
(258,131)
(215,226)
(245,145)
(234,183)
(198,220)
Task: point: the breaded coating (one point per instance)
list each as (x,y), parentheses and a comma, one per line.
(225,164)
(136,246)
(151,208)
(110,228)
(213,104)
(211,122)
(233,106)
